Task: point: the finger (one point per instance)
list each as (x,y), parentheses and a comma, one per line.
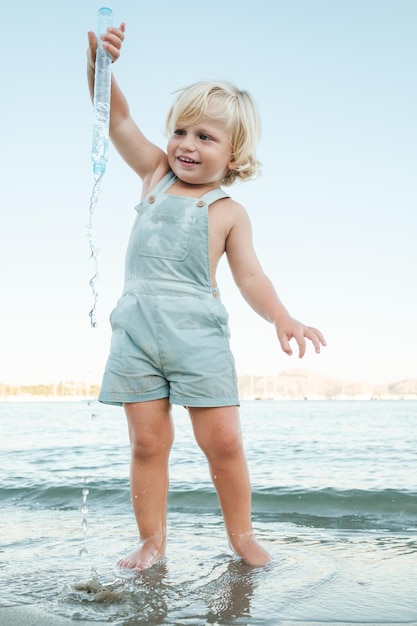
(285,344)
(301,345)
(315,337)
(115,35)
(92,45)
(112,41)
(92,39)
(320,336)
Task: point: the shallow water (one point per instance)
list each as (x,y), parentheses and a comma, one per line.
(334,499)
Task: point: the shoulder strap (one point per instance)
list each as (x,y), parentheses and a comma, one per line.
(213,195)
(165,182)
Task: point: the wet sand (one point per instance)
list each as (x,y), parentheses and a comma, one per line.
(32,616)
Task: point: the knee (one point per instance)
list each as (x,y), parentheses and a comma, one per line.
(148,446)
(222,448)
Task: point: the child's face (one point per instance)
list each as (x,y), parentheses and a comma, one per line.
(200,154)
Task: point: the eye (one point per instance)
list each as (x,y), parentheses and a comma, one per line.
(204,137)
(179,131)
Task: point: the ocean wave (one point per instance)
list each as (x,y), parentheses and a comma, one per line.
(352,508)
(328,508)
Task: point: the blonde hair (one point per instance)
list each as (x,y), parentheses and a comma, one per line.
(235,108)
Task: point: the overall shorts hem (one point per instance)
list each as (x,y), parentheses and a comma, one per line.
(203,402)
(119,399)
(187,401)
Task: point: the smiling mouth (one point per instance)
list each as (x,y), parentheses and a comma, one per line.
(187,160)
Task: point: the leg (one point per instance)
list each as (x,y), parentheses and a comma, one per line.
(217,431)
(151,435)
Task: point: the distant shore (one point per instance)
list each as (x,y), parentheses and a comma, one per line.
(294,384)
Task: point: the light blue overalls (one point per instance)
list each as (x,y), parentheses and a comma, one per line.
(170,329)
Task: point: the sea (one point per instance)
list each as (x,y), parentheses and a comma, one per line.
(334,500)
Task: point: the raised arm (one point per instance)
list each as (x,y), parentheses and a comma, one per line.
(144,157)
(258,290)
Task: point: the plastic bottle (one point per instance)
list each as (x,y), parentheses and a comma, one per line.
(102,82)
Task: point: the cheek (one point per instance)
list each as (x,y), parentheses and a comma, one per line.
(173,141)
(171,149)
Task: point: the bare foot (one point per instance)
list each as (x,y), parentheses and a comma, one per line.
(247,547)
(149,552)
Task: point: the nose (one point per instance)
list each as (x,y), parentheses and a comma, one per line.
(187,143)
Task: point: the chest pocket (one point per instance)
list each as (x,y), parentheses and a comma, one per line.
(165,233)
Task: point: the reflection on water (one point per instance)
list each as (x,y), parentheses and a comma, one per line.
(221,596)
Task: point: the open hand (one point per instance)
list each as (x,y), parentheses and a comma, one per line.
(290,328)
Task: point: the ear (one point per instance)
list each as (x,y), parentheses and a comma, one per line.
(232,165)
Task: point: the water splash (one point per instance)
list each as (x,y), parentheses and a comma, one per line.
(84,512)
(93,250)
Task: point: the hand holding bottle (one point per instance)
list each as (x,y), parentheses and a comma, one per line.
(112,42)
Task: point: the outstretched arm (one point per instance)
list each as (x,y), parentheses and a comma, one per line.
(259,292)
(144,157)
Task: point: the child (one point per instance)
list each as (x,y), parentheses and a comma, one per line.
(170,329)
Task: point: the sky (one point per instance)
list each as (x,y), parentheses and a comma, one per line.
(333,214)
